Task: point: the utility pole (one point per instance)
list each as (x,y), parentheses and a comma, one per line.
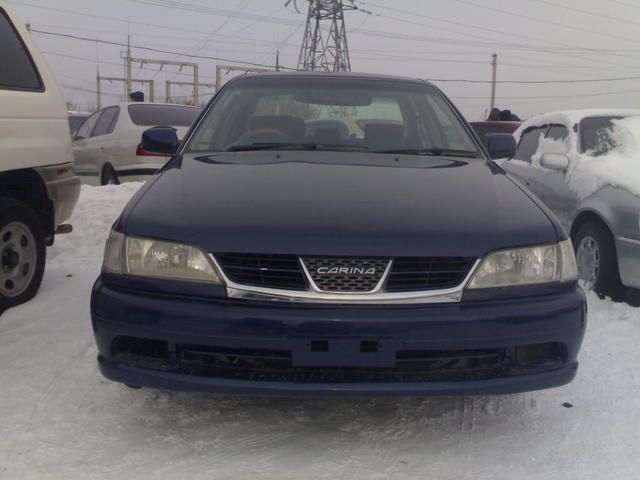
(98,90)
(125,81)
(162,63)
(494,71)
(129,76)
(325,47)
(231,68)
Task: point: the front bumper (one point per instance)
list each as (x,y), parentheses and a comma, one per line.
(272,349)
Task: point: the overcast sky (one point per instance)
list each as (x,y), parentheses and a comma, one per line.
(536,40)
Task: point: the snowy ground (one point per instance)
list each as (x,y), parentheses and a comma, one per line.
(61,420)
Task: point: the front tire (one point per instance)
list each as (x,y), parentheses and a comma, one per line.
(598,261)
(109,176)
(22,253)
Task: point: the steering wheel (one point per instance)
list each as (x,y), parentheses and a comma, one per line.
(263,135)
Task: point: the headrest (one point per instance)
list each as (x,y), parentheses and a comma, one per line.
(292,127)
(384,136)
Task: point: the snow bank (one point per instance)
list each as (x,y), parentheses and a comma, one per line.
(62,420)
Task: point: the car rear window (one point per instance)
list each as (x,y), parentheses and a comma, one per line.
(156,115)
(18,71)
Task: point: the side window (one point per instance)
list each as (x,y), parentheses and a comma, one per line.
(18,71)
(529,143)
(87,127)
(107,122)
(558,132)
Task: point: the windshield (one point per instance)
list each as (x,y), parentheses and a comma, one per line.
(332,114)
(170,115)
(597,135)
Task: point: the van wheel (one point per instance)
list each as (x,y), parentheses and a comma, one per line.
(597,261)
(22,253)
(109,176)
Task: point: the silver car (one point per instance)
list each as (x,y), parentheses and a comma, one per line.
(106,147)
(575,163)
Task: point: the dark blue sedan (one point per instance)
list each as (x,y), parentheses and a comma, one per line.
(325,234)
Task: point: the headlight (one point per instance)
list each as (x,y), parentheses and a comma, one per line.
(158,259)
(526,266)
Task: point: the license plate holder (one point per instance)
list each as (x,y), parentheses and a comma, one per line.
(344,352)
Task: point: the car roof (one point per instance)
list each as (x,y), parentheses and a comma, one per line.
(344,75)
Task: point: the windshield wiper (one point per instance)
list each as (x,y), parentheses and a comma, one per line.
(435,151)
(272,146)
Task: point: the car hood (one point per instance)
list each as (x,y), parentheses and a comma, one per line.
(337,203)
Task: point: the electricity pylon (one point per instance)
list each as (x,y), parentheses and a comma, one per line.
(325,47)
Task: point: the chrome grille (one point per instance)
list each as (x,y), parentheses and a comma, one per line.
(269,271)
(427,273)
(339,274)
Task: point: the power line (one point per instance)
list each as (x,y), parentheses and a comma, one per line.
(597,94)
(151,49)
(587,12)
(591,80)
(132,22)
(546,21)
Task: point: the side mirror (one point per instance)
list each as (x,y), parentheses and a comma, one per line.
(554,161)
(163,140)
(77,137)
(501,145)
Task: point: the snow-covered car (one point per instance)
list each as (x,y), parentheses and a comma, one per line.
(38,188)
(106,147)
(585,166)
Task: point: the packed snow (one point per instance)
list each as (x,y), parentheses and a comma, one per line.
(62,420)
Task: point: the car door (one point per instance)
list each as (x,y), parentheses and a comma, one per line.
(520,165)
(551,185)
(82,147)
(101,148)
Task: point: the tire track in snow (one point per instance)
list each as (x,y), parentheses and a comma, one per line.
(35,411)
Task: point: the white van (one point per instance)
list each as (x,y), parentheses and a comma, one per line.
(38,186)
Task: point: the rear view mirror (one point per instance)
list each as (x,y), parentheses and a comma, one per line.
(349,98)
(555,161)
(163,140)
(501,145)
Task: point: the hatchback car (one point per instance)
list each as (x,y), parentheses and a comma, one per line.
(106,146)
(575,162)
(277,254)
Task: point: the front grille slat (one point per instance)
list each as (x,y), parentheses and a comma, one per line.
(263,270)
(408,274)
(430,273)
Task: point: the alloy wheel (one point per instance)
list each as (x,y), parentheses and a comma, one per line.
(588,259)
